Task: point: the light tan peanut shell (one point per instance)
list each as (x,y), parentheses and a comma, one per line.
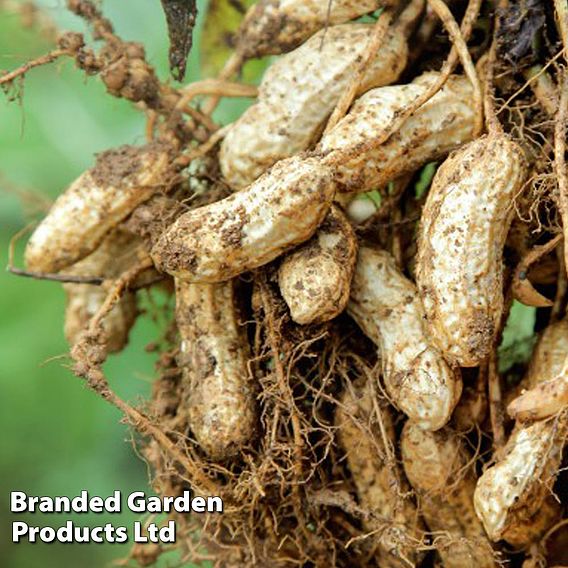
(115,255)
(297,94)
(386,305)
(250,228)
(95,203)
(277,26)
(549,354)
(513,497)
(218,390)
(315,279)
(442,124)
(439,468)
(544,400)
(84,301)
(381,488)
(547,377)
(464,226)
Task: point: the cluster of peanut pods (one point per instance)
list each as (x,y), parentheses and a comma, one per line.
(296,203)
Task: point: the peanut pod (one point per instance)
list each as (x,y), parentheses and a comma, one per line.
(95,203)
(386,305)
(442,124)
(250,228)
(438,467)
(315,279)
(218,391)
(513,497)
(381,487)
(272,27)
(544,400)
(460,253)
(114,256)
(297,94)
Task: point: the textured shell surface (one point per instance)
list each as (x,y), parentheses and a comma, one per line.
(276,26)
(441,125)
(513,497)
(315,279)
(547,377)
(376,478)
(438,467)
(386,305)
(464,226)
(94,204)
(113,256)
(544,400)
(509,494)
(297,94)
(250,228)
(83,301)
(217,386)
(549,355)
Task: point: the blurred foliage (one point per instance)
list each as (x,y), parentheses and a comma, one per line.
(425,179)
(518,337)
(220,22)
(58,437)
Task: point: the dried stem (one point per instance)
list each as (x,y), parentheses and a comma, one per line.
(65,278)
(460,46)
(184,159)
(29,65)
(560,154)
(142,424)
(559,307)
(231,68)
(496,414)
(561,9)
(522,288)
(544,88)
(116,292)
(95,280)
(340,156)
(220,87)
(375,41)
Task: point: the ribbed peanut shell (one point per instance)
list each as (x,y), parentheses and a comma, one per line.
(464,226)
(277,26)
(114,255)
(84,301)
(298,92)
(543,401)
(95,203)
(441,125)
(386,305)
(218,393)
(381,487)
(315,279)
(513,497)
(549,355)
(438,467)
(250,228)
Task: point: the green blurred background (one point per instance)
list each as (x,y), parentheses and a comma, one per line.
(57,437)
